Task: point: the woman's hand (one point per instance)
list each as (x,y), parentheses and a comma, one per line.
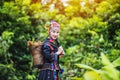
(63,53)
(60,50)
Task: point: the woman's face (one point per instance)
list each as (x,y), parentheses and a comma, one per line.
(54,32)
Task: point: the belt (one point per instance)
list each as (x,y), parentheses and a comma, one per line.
(47,66)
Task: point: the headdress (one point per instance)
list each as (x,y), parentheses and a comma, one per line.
(51,24)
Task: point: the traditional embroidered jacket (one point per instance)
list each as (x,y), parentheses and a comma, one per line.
(51,59)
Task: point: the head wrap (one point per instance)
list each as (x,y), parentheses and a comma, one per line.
(54,24)
(51,24)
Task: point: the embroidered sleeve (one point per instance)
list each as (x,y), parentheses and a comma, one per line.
(47,53)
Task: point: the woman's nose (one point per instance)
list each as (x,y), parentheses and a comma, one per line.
(56,34)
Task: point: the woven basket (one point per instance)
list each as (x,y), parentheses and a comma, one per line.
(35,49)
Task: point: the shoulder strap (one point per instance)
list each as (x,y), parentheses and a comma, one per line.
(50,46)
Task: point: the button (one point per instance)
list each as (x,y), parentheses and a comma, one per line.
(48,76)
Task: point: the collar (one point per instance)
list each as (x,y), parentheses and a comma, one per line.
(51,40)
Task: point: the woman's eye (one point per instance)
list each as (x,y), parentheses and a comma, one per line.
(53,31)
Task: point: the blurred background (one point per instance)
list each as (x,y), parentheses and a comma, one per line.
(90,35)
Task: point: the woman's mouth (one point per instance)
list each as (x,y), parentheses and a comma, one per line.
(54,37)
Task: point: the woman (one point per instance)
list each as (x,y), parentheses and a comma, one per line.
(51,52)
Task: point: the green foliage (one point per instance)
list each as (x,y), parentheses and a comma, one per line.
(107,72)
(88,28)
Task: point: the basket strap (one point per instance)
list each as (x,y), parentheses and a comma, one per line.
(51,47)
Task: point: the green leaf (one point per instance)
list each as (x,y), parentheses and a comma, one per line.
(109,73)
(91,75)
(76,78)
(105,60)
(7,35)
(116,62)
(86,67)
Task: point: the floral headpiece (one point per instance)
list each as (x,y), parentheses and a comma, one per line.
(51,24)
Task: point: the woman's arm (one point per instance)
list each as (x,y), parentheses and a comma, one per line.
(47,52)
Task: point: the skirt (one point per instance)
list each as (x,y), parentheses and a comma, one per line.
(48,75)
